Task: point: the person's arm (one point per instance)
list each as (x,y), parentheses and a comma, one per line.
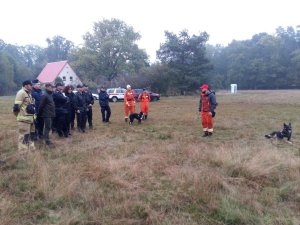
(42,104)
(140,97)
(200,104)
(213,103)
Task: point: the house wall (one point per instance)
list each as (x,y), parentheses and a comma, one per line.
(69,77)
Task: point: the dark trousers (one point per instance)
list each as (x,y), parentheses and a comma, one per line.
(39,126)
(81,120)
(47,127)
(106,112)
(72,119)
(90,116)
(61,123)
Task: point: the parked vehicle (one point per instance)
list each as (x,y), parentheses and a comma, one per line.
(153,96)
(95,96)
(116,94)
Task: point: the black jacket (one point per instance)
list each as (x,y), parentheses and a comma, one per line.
(103,98)
(61,102)
(80,102)
(89,99)
(37,95)
(47,106)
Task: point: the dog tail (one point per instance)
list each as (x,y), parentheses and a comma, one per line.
(268,136)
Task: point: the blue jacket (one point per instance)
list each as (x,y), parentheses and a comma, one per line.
(37,95)
(212,101)
(103,98)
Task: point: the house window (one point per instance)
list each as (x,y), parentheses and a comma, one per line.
(71,78)
(64,78)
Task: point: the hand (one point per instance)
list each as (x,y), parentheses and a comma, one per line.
(210,113)
(90,105)
(78,111)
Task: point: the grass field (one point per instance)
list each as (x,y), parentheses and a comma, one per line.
(160,172)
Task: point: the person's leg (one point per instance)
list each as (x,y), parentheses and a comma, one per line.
(24,136)
(126,112)
(79,121)
(84,119)
(210,125)
(90,117)
(72,118)
(40,126)
(204,123)
(108,113)
(47,128)
(103,113)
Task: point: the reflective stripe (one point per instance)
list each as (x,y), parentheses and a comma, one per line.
(205,129)
(210,130)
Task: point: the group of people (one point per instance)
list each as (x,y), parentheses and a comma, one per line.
(54,109)
(38,113)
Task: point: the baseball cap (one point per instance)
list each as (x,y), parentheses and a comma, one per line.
(36,81)
(204,86)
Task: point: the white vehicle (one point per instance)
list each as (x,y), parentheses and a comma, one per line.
(95,96)
(116,94)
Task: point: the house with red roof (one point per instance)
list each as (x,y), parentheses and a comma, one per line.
(60,69)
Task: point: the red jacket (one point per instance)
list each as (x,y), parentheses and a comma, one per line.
(144,97)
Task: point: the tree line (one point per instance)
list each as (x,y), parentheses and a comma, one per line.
(111,57)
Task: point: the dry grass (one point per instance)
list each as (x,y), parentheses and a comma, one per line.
(162,171)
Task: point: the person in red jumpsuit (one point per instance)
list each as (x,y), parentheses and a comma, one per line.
(129,102)
(207,107)
(144,98)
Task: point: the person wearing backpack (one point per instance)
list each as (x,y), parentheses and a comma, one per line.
(207,106)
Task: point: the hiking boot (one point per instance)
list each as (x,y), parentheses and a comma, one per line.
(126,120)
(48,142)
(210,133)
(205,134)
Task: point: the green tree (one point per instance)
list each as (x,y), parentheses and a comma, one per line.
(58,48)
(109,51)
(186,55)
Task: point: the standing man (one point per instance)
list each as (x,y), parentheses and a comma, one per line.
(144,98)
(129,103)
(80,108)
(89,102)
(37,95)
(104,104)
(47,111)
(61,110)
(207,107)
(24,111)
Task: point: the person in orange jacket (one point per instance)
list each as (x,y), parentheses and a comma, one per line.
(129,102)
(144,98)
(207,107)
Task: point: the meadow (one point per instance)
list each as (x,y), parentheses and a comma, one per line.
(162,171)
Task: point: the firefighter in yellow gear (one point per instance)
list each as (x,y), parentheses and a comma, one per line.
(24,111)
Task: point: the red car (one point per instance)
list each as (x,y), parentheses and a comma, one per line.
(153,96)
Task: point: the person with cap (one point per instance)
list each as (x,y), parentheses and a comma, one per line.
(89,99)
(207,107)
(80,108)
(144,98)
(24,111)
(129,102)
(68,90)
(61,110)
(104,104)
(37,95)
(47,111)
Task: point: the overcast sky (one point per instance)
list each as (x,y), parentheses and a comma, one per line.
(32,21)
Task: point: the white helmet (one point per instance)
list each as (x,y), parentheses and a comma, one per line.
(128,86)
